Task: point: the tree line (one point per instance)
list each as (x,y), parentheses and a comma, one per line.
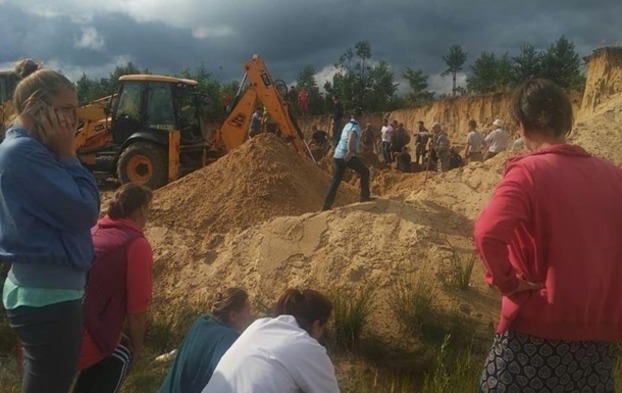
(362,80)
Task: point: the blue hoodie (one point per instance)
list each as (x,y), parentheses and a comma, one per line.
(47,208)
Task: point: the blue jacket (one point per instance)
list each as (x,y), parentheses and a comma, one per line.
(47,208)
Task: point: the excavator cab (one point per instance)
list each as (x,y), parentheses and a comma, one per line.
(155,131)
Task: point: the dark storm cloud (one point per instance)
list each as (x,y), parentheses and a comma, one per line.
(290,33)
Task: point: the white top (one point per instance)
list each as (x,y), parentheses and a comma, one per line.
(386,132)
(475,140)
(274,355)
(498,140)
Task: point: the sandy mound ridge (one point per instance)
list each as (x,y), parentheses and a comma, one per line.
(262,179)
(382,241)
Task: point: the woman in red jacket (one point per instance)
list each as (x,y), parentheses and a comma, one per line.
(118,291)
(550,242)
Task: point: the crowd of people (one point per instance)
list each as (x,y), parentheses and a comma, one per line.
(433,149)
(79,287)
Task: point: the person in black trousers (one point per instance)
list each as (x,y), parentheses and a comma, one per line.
(345,156)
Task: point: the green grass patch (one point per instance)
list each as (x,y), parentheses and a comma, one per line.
(351,313)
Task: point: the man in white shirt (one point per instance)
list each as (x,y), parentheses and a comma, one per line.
(386,133)
(474,143)
(497,141)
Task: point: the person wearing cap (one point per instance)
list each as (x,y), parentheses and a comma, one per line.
(497,141)
(441,146)
(346,156)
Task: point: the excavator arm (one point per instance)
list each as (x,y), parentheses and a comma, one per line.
(261,87)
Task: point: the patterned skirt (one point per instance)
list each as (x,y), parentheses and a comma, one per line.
(519,363)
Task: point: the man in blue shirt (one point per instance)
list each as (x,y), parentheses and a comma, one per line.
(346,156)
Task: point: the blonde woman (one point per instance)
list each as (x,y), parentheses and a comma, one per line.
(49,204)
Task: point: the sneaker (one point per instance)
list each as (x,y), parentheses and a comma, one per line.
(325,208)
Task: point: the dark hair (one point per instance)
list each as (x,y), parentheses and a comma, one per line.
(306,305)
(231,299)
(540,105)
(472,123)
(127,199)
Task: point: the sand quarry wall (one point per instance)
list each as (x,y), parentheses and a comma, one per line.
(251,218)
(452,113)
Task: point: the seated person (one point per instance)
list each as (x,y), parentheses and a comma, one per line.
(455,159)
(281,354)
(319,137)
(209,338)
(404,160)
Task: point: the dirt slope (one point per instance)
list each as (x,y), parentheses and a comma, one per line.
(262,179)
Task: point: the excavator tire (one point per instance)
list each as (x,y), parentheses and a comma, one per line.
(143,163)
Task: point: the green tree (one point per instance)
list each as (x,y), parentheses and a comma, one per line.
(490,73)
(527,64)
(359,82)
(306,80)
(382,88)
(362,69)
(455,60)
(561,64)
(418,83)
(208,86)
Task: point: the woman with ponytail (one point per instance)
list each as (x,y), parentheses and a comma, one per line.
(209,338)
(118,293)
(281,354)
(49,204)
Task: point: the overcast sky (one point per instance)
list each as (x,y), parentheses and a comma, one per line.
(90,36)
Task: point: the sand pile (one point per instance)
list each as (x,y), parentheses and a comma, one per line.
(262,179)
(382,241)
(465,190)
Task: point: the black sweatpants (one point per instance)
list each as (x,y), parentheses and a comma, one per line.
(340,169)
(107,375)
(51,338)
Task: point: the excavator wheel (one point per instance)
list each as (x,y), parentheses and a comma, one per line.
(143,163)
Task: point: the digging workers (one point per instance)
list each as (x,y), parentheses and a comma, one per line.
(255,128)
(441,148)
(474,143)
(421,142)
(498,140)
(346,156)
(399,139)
(385,135)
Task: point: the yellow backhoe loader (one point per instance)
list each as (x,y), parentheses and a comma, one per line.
(154,129)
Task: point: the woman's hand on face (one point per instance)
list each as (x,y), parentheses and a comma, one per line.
(52,127)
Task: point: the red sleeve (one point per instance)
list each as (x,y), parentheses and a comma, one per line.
(139,276)
(494,230)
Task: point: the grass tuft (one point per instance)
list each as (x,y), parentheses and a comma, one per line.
(351,313)
(411,303)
